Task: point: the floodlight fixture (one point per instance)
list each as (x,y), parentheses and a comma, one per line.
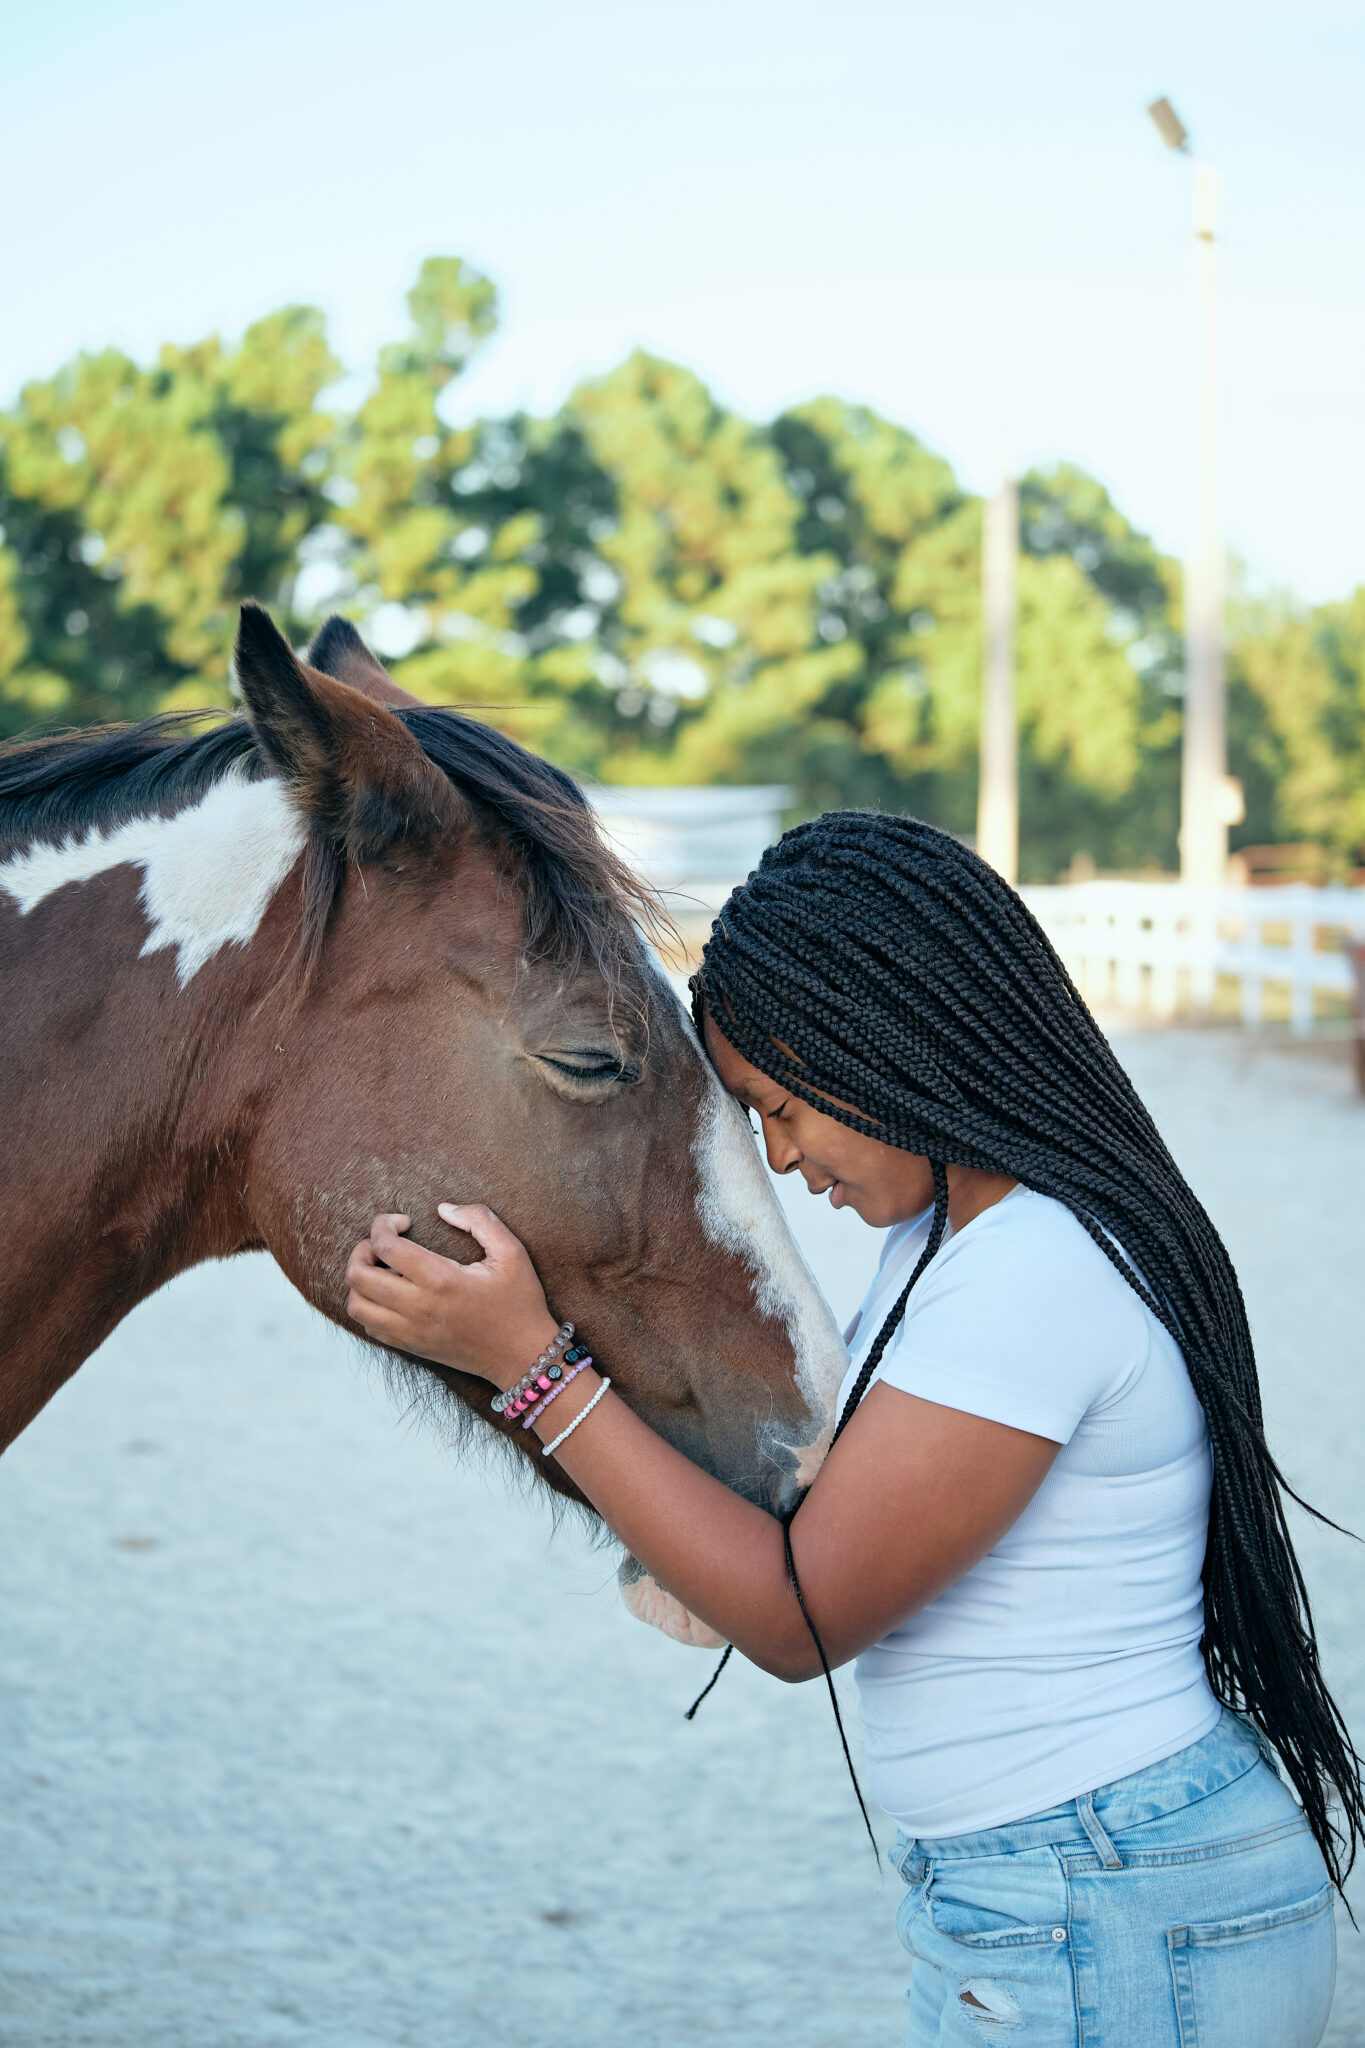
(1169,125)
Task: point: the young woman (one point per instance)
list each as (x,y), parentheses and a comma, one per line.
(1050,1530)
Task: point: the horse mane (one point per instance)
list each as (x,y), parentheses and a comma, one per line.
(581,901)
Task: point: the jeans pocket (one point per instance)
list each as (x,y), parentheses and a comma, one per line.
(978,1920)
(1264,1981)
(985,1962)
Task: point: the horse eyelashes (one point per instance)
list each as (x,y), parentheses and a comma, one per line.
(606,1068)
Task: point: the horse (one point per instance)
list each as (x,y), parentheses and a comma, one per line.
(344,953)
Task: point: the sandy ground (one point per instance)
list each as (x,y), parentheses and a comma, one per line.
(310,1734)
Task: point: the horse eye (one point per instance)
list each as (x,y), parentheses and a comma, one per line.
(591,1066)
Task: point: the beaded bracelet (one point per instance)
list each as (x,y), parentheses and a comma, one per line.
(554,1392)
(563,1338)
(584,1412)
(515,1404)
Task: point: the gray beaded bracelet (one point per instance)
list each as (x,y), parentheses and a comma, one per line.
(548,1357)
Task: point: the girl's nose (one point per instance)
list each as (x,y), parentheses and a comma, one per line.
(783,1156)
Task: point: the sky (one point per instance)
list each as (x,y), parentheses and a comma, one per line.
(959,214)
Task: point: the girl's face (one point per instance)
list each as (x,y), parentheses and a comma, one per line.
(880,1182)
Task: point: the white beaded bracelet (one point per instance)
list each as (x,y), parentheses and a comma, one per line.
(581,1416)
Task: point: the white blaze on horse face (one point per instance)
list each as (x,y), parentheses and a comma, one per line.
(740,1212)
(209,872)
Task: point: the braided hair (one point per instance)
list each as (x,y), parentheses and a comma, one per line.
(908,978)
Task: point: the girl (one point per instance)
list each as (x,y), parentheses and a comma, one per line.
(1049,1529)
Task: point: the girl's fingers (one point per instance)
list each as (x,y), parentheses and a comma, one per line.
(393,1221)
(479,1222)
(364,1268)
(382,1289)
(381,1327)
(400,1254)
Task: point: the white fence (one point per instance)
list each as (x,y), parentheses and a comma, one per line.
(1163,948)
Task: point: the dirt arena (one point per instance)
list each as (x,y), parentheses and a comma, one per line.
(309,1733)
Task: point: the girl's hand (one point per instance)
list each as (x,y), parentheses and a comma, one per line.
(490,1319)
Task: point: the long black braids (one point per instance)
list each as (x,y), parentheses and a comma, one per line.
(877,960)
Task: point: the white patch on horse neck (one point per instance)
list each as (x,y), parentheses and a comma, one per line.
(740,1212)
(209,872)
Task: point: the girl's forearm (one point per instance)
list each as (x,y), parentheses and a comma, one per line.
(717,1553)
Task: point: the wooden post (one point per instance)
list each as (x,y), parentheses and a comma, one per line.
(997,810)
(1358,1012)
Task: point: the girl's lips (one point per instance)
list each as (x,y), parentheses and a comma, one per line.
(838,1196)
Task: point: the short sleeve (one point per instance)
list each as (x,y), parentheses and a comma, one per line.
(1022,1320)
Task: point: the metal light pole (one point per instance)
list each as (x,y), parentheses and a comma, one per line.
(1208,800)
(997,803)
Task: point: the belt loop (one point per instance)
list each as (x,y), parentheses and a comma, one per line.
(1099,1840)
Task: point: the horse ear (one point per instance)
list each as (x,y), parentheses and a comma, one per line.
(351,764)
(339,651)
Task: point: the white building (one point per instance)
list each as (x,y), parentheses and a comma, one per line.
(692,845)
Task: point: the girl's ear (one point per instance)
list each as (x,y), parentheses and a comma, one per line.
(351,765)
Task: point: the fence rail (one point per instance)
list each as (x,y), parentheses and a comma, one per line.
(1164,948)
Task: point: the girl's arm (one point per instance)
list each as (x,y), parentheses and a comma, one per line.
(912,1495)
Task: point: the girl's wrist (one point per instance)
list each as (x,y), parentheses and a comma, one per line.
(551,1395)
(554,1419)
(531,1343)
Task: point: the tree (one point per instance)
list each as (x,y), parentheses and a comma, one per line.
(1121,804)
(898,531)
(906,596)
(139,506)
(645,587)
(405,490)
(1298,686)
(709,639)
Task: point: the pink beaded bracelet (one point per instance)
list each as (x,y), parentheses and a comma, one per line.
(529,1388)
(556,1390)
(505,1404)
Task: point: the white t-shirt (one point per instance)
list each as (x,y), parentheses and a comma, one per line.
(1070,1655)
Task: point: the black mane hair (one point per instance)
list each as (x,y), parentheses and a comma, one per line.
(581,900)
(74,783)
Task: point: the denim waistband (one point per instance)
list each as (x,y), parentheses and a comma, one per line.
(1226,1753)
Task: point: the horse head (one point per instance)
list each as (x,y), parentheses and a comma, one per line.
(472,1015)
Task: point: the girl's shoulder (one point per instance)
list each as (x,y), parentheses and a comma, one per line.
(1026,1232)
(1023,1319)
(1031,1234)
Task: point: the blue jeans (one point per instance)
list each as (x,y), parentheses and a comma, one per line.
(1186,1906)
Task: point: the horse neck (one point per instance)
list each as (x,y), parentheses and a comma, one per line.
(142,996)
